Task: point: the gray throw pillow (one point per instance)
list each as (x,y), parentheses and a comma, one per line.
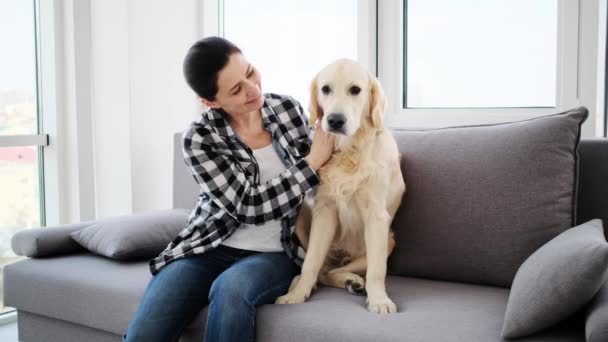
(137,236)
(481,199)
(596,323)
(557,280)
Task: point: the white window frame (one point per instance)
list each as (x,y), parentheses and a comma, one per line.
(212,12)
(577,63)
(48,109)
(40,140)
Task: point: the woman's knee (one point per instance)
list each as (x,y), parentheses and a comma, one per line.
(230,292)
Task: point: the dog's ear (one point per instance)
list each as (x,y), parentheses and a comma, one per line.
(377,103)
(316,112)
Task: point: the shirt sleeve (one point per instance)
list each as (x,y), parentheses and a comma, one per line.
(229,188)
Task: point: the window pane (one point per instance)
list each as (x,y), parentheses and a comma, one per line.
(19,171)
(18,68)
(492,53)
(289,41)
(19,198)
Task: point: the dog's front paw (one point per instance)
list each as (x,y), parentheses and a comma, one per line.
(293,297)
(381,306)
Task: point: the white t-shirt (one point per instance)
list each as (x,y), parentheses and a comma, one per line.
(265,237)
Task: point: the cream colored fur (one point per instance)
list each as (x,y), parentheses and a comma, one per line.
(346,232)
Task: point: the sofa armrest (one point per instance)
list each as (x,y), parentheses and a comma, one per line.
(47,241)
(596,322)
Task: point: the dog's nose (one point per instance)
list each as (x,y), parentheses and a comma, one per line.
(336,120)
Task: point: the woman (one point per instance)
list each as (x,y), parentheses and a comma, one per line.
(253,159)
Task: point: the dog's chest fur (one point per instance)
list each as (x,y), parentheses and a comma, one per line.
(344,174)
(341,179)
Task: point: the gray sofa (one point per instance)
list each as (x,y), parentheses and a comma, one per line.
(74,295)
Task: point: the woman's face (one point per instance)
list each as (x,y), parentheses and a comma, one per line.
(239,89)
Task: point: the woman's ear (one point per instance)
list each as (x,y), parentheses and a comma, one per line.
(210,104)
(377,103)
(316,112)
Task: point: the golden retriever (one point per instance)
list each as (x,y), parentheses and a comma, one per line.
(348,234)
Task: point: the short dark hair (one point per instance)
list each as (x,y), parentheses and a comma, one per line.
(203,62)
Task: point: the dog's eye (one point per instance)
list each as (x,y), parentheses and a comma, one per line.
(354,90)
(326,90)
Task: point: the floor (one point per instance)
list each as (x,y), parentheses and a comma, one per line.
(8,332)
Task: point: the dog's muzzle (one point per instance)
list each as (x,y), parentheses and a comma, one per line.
(336,121)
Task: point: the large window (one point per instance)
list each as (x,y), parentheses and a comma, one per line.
(469,53)
(291,40)
(451,63)
(21,189)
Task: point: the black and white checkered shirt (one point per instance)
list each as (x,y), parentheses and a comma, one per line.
(228,175)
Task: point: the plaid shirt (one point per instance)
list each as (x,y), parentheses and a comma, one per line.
(228,175)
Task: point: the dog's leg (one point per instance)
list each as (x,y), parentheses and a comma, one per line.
(302,228)
(322,231)
(353,283)
(376,229)
(359,265)
(396,195)
(294,281)
(349,276)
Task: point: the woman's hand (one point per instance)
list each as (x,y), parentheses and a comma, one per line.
(321,149)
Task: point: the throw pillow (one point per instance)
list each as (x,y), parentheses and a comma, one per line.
(481,199)
(557,280)
(596,329)
(138,236)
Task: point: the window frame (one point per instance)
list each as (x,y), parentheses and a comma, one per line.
(49,36)
(63,83)
(568,80)
(39,140)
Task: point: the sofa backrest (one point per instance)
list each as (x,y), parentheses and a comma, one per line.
(593,181)
(592,187)
(185,188)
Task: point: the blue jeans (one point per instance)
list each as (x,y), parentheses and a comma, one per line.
(232,281)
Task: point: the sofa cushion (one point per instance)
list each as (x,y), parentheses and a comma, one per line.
(84,289)
(140,236)
(596,324)
(482,199)
(47,241)
(557,280)
(429,311)
(104,294)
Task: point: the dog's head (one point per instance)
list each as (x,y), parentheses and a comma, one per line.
(345,97)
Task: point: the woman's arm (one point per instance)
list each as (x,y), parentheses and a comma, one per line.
(230,189)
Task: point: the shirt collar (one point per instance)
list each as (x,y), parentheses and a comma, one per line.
(217,119)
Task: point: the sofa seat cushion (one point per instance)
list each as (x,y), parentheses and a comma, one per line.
(85,289)
(104,294)
(429,311)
